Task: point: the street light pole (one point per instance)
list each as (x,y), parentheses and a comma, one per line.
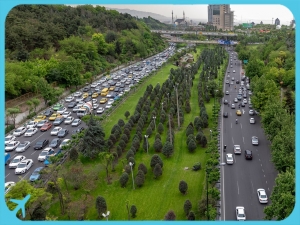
(210,134)
(131,164)
(106,215)
(146,136)
(154,117)
(162,106)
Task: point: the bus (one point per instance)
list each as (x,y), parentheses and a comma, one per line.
(104,92)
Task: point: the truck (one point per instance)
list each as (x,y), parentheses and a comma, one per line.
(6,158)
(86,109)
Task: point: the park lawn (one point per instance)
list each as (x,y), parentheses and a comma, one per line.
(157,196)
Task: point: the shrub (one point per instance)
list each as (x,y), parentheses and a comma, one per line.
(167,150)
(187,207)
(140,178)
(157,171)
(129,154)
(143,168)
(124,179)
(170,215)
(133,211)
(183,187)
(156,159)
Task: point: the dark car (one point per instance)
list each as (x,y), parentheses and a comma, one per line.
(72,104)
(58,121)
(55,143)
(237,82)
(117,89)
(62,133)
(88,99)
(86,89)
(121,90)
(41,144)
(248,154)
(225,114)
(78,130)
(48,112)
(122,85)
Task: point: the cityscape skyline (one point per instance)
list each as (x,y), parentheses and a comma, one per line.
(242,13)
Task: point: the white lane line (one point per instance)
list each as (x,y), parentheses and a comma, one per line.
(269,189)
(7,175)
(231,125)
(252,186)
(243,140)
(25,175)
(241,126)
(238,187)
(39,136)
(263,170)
(264,175)
(33,152)
(234,158)
(13,155)
(266,181)
(259,159)
(232,140)
(260,164)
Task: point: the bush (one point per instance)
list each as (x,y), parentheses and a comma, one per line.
(170,215)
(157,171)
(133,211)
(192,145)
(183,187)
(157,145)
(143,168)
(124,179)
(31,115)
(140,178)
(197,166)
(9,128)
(156,159)
(129,154)
(187,207)
(167,149)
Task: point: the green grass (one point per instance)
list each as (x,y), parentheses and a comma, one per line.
(157,196)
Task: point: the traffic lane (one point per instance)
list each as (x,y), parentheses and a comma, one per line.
(30,153)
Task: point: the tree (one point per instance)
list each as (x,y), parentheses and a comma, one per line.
(170,215)
(121,123)
(101,206)
(38,214)
(143,168)
(140,178)
(191,216)
(93,141)
(106,158)
(187,107)
(124,179)
(189,130)
(156,159)
(133,211)
(73,154)
(160,128)
(167,150)
(192,145)
(183,187)
(283,196)
(187,207)
(127,114)
(157,145)
(129,154)
(149,131)
(13,112)
(157,171)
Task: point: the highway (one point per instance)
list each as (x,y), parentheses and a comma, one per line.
(30,153)
(241,180)
(194,32)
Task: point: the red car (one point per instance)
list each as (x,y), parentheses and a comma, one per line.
(46,126)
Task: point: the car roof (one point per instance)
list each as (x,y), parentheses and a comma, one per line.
(229,154)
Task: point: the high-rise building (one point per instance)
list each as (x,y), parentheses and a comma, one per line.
(220,16)
(277,22)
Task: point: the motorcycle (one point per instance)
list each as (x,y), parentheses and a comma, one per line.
(236,121)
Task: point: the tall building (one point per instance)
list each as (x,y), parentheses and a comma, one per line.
(220,16)
(277,22)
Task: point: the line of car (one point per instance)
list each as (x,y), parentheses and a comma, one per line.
(242,93)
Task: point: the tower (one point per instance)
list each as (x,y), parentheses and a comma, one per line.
(183,16)
(172,17)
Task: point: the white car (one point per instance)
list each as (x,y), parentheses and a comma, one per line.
(237,149)
(229,158)
(69,99)
(61,110)
(11,146)
(108,106)
(236,100)
(31,124)
(66,114)
(95,105)
(24,166)
(93,85)
(55,130)
(8,186)
(30,132)
(94,100)
(41,123)
(77,94)
(9,138)
(233,71)
(64,142)
(76,122)
(76,108)
(15,162)
(252,120)
(110,101)
(23,146)
(43,155)
(240,213)
(100,110)
(245,101)
(254,140)
(262,195)
(19,131)
(69,120)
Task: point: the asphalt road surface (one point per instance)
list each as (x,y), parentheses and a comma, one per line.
(241,180)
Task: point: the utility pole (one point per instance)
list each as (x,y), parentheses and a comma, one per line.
(170,129)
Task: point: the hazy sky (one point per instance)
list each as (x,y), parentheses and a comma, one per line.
(243,13)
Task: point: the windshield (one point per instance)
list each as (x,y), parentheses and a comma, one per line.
(10,145)
(31,123)
(41,122)
(18,130)
(15,160)
(43,153)
(35,173)
(30,130)
(21,165)
(39,143)
(7,138)
(22,145)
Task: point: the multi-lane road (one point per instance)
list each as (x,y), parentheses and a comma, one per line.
(241,180)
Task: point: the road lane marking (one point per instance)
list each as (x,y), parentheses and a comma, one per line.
(243,140)
(259,159)
(7,175)
(33,152)
(266,181)
(241,126)
(263,170)
(39,136)
(260,164)
(252,186)
(268,189)
(264,175)
(238,187)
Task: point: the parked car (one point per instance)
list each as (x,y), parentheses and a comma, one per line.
(47,151)
(36,174)
(24,166)
(41,123)
(64,142)
(61,110)
(15,162)
(39,118)
(69,120)
(58,121)
(31,124)
(57,106)
(9,138)
(55,130)
(46,127)
(8,186)
(54,116)
(19,131)
(66,114)
(41,144)
(78,130)
(76,122)
(69,99)
(71,104)
(55,143)
(48,112)
(23,146)
(100,110)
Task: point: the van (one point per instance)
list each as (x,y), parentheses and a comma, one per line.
(104,92)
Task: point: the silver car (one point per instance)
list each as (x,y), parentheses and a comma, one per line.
(15,162)
(18,132)
(229,158)
(76,122)
(254,140)
(22,147)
